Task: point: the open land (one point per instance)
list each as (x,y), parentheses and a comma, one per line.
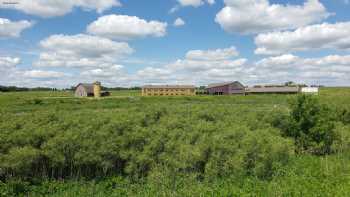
(52,144)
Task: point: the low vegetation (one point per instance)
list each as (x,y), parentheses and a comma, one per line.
(265,145)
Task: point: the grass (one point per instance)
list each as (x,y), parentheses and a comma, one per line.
(304,175)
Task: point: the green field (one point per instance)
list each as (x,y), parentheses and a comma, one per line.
(52,144)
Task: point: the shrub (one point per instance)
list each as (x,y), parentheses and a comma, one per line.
(310,124)
(14,187)
(343,115)
(342,142)
(37,101)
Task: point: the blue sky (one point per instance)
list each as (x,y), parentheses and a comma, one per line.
(135,42)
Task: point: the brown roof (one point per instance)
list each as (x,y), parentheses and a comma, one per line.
(169,86)
(213,85)
(89,87)
(272,89)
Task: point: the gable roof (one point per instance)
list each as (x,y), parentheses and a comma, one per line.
(89,87)
(213,85)
(169,86)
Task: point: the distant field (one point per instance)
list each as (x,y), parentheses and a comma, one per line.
(128,145)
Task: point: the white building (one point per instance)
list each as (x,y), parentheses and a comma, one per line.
(310,90)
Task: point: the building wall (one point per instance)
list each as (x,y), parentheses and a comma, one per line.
(310,90)
(168,92)
(273,90)
(219,90)
(236,89)
(80,91)
(227,89)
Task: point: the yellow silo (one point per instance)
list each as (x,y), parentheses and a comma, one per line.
(97,89)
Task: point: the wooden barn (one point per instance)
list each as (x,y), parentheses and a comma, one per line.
(89,90)
(226,88)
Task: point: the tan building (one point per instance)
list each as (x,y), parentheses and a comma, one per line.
(90,90)
(168,90)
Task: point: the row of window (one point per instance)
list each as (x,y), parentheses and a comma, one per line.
(166,90)
(166,94)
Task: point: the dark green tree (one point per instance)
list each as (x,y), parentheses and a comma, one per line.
(310,124)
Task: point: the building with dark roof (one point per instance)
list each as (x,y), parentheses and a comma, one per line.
(226,88)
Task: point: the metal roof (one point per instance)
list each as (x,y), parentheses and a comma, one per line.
(213,85)
(89,87)
(169,86)
(272,89)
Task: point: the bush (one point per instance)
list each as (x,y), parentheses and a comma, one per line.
(343,115)
(342,142)
(14,187)
(37,101)
(310,123)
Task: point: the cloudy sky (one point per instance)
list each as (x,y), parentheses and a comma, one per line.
(59,43)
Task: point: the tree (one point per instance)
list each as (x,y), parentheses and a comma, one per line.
(310,124)
(289,83)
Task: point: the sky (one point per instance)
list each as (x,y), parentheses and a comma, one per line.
(55,43)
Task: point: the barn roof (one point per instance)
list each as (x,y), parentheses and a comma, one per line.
(285,89)
(89,87)
(169,86)
(213,85)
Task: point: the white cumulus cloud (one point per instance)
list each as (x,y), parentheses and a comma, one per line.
(42,74)
(80,51)
(9,62)
(52,8)
(195,3)
(329,70)
(198,67)
(179,22)
(257,16)
(123,27)
(103,73)
(10,29)
(216,54)
(321,36)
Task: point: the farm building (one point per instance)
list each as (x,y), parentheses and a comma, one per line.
(226,88)
(89,90)
(273,90)
(168,90)
(310,90)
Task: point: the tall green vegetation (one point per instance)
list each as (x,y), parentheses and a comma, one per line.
(311,124)
(172,146)
(138,143)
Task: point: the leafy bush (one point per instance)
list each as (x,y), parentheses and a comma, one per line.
(14,187)
(343,114)
(136,141)
(342,142)
(310,123)
(37,101)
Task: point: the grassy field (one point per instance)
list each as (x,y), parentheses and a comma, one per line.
(52,144)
